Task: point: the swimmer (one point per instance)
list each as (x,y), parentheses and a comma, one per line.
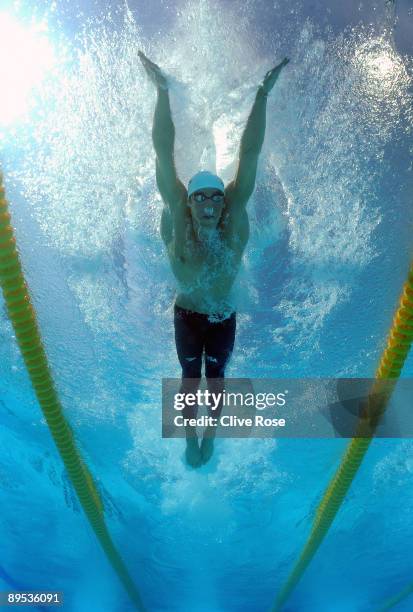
(205,230)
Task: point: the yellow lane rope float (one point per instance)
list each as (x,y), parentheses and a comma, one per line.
(392,601)
(23,318)
(391,363)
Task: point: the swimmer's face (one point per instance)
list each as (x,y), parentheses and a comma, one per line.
(208,212)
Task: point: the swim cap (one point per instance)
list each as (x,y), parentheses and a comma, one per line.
(204,179)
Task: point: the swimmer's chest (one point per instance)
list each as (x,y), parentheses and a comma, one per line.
(192,264)
(217,265)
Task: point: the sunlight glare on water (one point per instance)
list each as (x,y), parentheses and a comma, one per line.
(26,55)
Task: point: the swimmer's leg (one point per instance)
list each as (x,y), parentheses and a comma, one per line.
(192,452)
(219,345)
(189,347)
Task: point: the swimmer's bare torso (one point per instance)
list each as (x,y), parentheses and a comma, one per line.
(205,266)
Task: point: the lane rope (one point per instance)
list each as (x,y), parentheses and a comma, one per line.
(28,336)
(391,363)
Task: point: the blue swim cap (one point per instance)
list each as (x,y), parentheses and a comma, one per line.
(204,179)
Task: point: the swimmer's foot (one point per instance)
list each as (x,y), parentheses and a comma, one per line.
(207,449)
(193,454)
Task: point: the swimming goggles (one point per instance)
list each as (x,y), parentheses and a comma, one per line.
(201,197)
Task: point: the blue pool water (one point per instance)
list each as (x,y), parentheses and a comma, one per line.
(330,247)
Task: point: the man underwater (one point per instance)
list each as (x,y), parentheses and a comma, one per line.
(205,229)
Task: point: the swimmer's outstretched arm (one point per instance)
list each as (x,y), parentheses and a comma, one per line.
(241,188)
(253,136)
(163,136)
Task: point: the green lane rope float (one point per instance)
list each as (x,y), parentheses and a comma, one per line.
(23,319)
(391,363)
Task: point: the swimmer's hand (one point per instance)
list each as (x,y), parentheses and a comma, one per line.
(153,71)
(272,75)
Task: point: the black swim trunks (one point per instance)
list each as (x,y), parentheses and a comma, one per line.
(194,332)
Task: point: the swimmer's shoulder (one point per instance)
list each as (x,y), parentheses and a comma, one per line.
(235,232)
